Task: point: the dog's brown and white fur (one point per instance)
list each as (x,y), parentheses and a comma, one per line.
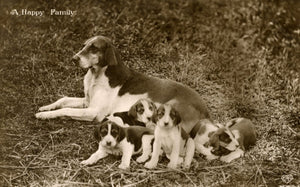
(169,136)
(201,134)
(125,141)
(110,87)
(237,136)
(143,111)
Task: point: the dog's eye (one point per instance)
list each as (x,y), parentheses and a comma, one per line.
(151,107)
(225,138)
(103,131)
(93,49)
(114,132)
(140,108)
(160,114)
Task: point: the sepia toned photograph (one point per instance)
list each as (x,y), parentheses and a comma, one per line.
(150,93)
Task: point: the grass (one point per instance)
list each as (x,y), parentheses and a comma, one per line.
(240,56)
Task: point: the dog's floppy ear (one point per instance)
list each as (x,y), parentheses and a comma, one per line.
(97,133)
(154,117)
(111,55)
(132,111)
(175,116)
(98,126)
(121,134)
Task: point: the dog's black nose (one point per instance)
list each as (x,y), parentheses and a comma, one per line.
(108,143)
(166,124)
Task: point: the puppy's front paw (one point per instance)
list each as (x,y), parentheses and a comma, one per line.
(172,165)
(141,159)
(150,165)
(211,157)
(186,166)
(123,166)
(226,159)
(87,162)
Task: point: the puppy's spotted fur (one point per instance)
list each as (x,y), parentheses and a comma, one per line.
(201,134)
(237,136)
(169,136)
(125,141)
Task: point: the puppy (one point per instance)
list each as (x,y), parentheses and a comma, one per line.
(143,110)
(139,114)
(237,136)
(117,140)
(169,136)
(201,134)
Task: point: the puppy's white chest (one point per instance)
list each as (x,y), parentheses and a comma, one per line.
(167,144)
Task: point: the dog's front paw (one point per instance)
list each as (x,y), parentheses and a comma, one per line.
(150,165)
(211,157)
(172,165)
(87,162)
(186,165)
(46,108)
(141,159)
(226,159)
(123,166)
(41,115)
(46,115)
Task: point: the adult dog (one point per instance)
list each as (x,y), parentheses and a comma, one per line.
(110,87)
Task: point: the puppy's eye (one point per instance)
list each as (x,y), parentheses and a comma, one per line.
(103,131)
(93,49)
(151,107)
(225,138)
(114,132)
(160,114)
(140,109)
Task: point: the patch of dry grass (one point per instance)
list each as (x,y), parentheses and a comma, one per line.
(229,52)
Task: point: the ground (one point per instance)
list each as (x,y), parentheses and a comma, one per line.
(240,56)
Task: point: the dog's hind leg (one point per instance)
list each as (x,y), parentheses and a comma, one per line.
(65,102)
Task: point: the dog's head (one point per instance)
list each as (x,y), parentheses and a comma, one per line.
(98,51)
(166,117)
(108,133)
(222,141)
(142,110)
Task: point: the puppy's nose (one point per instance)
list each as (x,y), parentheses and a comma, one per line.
(148,118)
(108,143)
(166,124)
(75,59)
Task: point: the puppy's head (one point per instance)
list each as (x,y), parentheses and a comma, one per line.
(109,134)
(222,140)
(166,117)
(143,110)
(97,52)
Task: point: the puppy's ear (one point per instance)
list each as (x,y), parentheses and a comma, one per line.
(214,140)
(133,111)
(154,117)
(121,134)
(111,55)
(241,144)
(176,117)
(97,133)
